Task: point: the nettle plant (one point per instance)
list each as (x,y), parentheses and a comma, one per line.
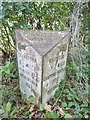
(8,70)
(8,110)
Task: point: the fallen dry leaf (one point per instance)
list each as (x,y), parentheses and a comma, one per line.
(31,108)
(28,104)
(48,107)
(36,101)
(61,111)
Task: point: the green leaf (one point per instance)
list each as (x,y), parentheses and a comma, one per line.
(0,77)
(1,111)
(42,107)
(48,115)
(69,97)
(54,115)
(71,104)
(8,107)
(26,113)
(15,110)
(77,108)
(84,105)
(64,104)
(7,64)
(23,96)
(85,110)
(57,93)
(1,69)
(67,116)
(31,99)
(7,71)
(4,106)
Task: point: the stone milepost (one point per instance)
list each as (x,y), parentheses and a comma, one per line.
(42,57)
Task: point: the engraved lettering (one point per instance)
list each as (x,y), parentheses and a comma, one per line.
(51,89)
(28,85)
(53,74)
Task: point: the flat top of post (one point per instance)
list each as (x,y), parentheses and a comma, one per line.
(42,40)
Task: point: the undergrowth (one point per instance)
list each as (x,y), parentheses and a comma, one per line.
(68,101)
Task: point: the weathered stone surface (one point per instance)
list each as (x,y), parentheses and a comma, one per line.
(54,66)
(42,59)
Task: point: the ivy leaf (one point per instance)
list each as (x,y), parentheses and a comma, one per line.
(67,116)
(64,104)
(71,104)
(31,99)
(55,115)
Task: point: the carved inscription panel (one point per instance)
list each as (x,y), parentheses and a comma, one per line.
(29,64)
(54,67)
